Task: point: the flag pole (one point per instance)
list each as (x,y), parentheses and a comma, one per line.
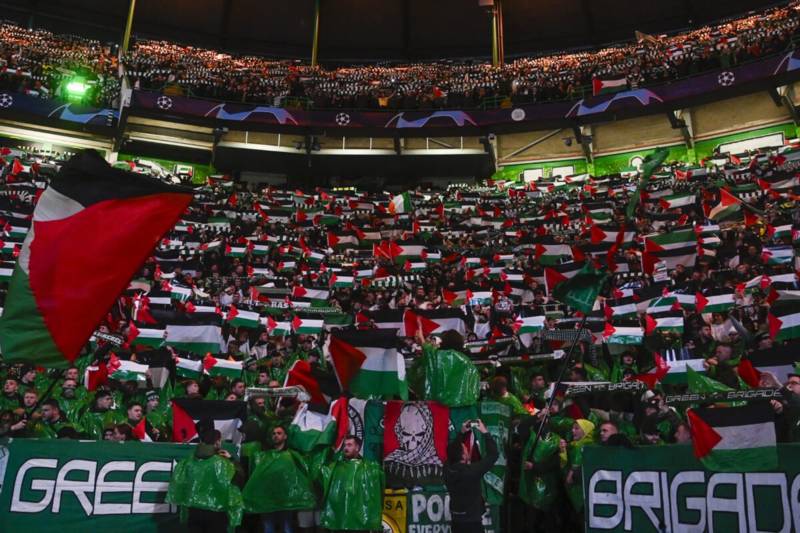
(561,372)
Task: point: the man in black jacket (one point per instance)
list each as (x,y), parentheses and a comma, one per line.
(463,480)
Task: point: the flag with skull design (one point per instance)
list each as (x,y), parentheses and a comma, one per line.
(415,443)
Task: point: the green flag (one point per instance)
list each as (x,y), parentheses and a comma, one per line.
(450,377)
(651,162)
(580,291)
(700,383)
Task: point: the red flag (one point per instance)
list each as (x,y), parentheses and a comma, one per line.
(140,431)
(749,373)
(300,375)
(183,426)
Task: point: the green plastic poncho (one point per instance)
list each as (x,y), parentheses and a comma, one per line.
(353,495)
(279,482)
(574,460)
(450,377)
(539,487)
(206,484)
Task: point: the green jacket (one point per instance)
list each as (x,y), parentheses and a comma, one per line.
(352,495)
(539,486)
(92,423)
(279,482)
(206,481)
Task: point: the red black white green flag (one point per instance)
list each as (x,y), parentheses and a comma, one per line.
(366,363)
(735,439)
(92,219)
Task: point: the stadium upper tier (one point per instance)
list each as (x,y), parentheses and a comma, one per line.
(43,64)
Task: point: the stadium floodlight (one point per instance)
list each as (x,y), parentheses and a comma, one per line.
(76,88)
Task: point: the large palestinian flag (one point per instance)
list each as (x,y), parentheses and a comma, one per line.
(735,439)
(91,220)
(367,364)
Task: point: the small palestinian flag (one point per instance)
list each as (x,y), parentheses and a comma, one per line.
(92,218)
(222,367)
(277,329)
(153,338)
(400,204)
(435,321)
(671,258)
(188,368)
(663,324)
(313,294)
(784,322)
(367,364)
(192,417)
(241,318)
(338,281)
(123,370)
(622,334)
(670,241)
(729,205)
(199,339)
(529,324)
(735,439)
(600,86)
(777,255)
(309,326)
(714,304)
(676,201)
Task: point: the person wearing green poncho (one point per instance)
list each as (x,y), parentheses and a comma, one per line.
(100,416)
(539,479)
(69,400)
(51,423)
(447,375)
(499,392)
(352,491)
(279,484)
(572,459)
(207,486)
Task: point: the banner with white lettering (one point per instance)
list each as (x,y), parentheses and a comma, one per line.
(664,488)
(56,486)
(426,511)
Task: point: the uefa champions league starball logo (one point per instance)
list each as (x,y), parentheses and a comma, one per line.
(518,114)
(164,102)
(726,78)
(6,100)
(342,119)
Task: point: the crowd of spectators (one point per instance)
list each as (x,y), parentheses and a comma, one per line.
(40,63)
(487,253)
(171,67)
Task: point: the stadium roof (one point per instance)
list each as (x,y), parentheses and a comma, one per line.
(370,29)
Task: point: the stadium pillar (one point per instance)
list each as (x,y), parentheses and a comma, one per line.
(495,56)
(126,37)
(501,44)
(315,38)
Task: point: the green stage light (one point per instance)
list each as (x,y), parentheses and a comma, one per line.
(77,88)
